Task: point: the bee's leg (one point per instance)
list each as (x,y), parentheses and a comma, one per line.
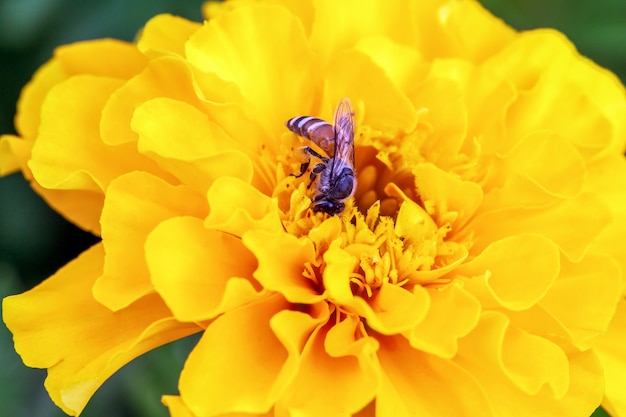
(303,168)
(318,168)
(312,152)
(305,165)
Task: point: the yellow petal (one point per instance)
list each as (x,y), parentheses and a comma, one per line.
(341,340)
(474,33)
(414,383)
(176,406)
(102,57)
(237,207)
(443,110)
(523,178)
(450,199)
(339,265)
(199,273)
(587,212)
(392,309)
(515,272)
(610,350)
(177,130)
(400,62)
(554,381)
(162,77)
(352,386)
(353,74)
(229,46)
(486,98)
(69,153)
(135,204)
(282,258)
(563,177)
(240,371)
(14,153)
(608,178)
(453,312)
(165,34)
(340,25)
(32,96)
(172,77)
(559,84)
(81,207)
(187,144)
(107,57)
(585,295)
(62,309)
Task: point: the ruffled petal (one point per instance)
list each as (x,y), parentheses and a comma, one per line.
(514,273)
(400,62)
(187,144)
(176,406)
(237,56)
(340,25)
(391,310)
(559,83)
(199,273)
(610,349)
(108,339)
(585,295)
(33,95)
(352,365)
(353,74)
(136,203)
(453,312)
(237,207)
(558,381)
(412,383)
(68,153)
(82,207)
(607,177)
(449,199)
(282,262)
(472,32)
(14,152)
(216,378)
(166,34)
(525,181)
(587,212)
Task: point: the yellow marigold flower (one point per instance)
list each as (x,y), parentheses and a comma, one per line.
(477,270)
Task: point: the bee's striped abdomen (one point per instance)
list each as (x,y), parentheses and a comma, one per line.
(316,130)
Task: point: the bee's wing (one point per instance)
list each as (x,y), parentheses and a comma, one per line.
(344,132)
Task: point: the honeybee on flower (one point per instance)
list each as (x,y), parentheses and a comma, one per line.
(337,179)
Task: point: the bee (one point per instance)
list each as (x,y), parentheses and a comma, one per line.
(337,178)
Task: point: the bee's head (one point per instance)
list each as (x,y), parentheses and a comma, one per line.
(329,207)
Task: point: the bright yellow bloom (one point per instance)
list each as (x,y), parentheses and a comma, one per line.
(476,271)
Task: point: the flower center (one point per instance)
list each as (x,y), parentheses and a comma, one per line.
(384,228)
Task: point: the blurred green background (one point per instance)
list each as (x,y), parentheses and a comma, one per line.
(35,241)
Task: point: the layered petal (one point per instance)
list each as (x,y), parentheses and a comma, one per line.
(407,371)
(136,204)
(199,273)
(216,378)
(108,339)
(558,381)
(352,363)
(237,56)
